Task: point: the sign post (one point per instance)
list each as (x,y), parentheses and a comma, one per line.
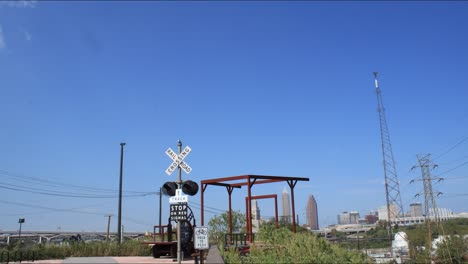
(179,212)
(179,201)
(201,238)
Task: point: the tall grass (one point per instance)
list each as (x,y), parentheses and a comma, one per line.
(283,246)
(93,249)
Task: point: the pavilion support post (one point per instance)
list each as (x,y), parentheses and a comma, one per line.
(249,211)
(230,189)
(292,184)
(202,204)
(276,212)
(246,214)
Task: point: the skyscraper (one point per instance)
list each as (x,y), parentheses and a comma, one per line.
(344,218)
(312,214)
(383,215)
(353,217)
(255,216)
(416,210)
(285,206)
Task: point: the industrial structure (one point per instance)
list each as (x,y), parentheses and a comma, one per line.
(256,209)
(237,182)
(431,211)
(392,185)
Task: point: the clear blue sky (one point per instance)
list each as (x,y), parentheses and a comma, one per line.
(276,88)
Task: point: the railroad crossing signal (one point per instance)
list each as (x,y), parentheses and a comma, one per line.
(179,212)
(178,198)
(188,187)
(178,160)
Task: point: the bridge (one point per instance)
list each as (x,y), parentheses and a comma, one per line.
(57,237)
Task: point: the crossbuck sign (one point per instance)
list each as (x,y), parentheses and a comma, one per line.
(178,160)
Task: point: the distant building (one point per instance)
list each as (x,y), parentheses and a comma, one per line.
(344,218)
(285,207)
(371,218)
(441,213)
(255,216)
(255,210)
(383,215)
(415,210)
(354,217)
(362,221)
(312,214)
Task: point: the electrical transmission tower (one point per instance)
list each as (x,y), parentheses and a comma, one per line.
(430,204)
(392,186)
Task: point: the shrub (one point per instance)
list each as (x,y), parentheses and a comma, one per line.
(81,249)
(283,246)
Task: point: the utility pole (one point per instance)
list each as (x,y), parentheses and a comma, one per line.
(108,225)
(119,225)
(392,185)
(430,203)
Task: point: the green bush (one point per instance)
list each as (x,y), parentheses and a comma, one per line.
(81,249)
(283,246)
(452,250)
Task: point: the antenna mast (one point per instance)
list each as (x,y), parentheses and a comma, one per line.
(392,186)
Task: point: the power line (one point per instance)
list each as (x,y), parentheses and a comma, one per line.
(205,206)
(56,184)
(451,148)
(451,195)
(206,210)
(455,160)
(49,208)
(450,170)
(454,178)
(49,193)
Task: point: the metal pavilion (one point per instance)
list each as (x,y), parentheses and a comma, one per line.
(237,182)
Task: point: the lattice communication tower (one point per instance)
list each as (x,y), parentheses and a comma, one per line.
(392,186)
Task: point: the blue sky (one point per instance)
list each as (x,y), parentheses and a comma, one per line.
(275,88)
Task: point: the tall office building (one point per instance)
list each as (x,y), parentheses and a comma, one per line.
(343,218)
(416,210)
(312,214)
(255,216)
(383,214)
(285,206)
(354,217)
(346,218)
(255,210)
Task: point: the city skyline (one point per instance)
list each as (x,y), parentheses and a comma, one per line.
(268,88)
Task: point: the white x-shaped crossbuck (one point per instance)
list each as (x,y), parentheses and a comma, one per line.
(178,160)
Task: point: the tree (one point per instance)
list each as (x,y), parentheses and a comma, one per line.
(219,225)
